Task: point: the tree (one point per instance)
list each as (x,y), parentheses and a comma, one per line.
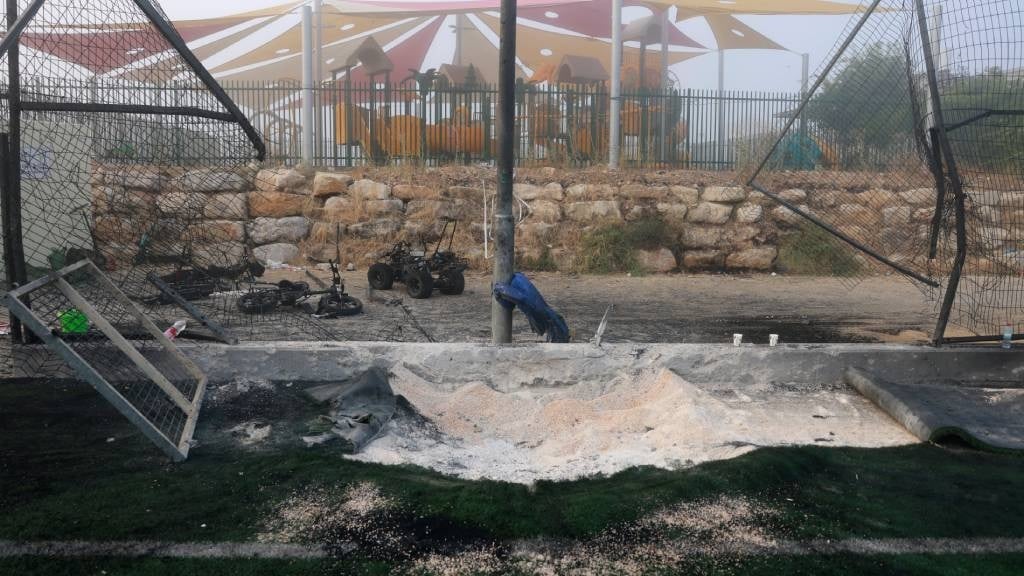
(868,102)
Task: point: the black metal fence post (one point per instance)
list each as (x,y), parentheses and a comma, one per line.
(952,174)
(15,258)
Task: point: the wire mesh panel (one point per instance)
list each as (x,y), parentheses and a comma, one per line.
(937,86)
(82,317)
(125,151)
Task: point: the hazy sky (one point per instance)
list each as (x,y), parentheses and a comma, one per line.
(745,69)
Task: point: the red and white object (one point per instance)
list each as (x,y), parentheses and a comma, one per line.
(175,330)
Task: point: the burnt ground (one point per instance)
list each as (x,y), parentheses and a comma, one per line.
(663,308)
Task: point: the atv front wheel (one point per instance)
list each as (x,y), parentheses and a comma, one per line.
(419,283)
(381,277)
(453,283)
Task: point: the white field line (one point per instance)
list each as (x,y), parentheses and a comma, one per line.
(243,550)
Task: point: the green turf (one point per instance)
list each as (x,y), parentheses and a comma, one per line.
(60,479)
(989,565)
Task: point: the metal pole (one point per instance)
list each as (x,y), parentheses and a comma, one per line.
(615,112)
(805,74)
(504,226)
(663,135)
(720,149)
(15,259)
(318,75)
(952,172)
(15,25)
(458,39)
(307,86)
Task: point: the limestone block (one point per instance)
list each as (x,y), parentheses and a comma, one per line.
(762,258)
(727,194)
(710,213)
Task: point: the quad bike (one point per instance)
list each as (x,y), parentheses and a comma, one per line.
(420,274)
(333,301)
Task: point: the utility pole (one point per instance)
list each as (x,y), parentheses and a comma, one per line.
(615,112)
(504,227)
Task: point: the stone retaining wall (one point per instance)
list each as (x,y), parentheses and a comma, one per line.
(289,215)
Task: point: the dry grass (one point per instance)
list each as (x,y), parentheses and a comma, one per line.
(326,233)
(352,211)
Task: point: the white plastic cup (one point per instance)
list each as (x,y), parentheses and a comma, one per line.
(737,339)
(773,340)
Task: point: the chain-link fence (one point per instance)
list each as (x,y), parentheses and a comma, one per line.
(945,75)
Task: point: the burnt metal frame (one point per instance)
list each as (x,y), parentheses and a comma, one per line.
(948,174)
(10,142)
(176,449)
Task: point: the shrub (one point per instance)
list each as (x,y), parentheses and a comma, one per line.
(813,251)
(612,248)
(543,263)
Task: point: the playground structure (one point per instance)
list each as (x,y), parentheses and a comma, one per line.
(446,115)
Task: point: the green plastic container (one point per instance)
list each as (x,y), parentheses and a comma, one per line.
(73,322)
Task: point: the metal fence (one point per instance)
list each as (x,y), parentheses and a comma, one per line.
(557,125)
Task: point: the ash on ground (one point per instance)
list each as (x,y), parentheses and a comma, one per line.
(655,418)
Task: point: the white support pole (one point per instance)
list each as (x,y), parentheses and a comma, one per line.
(805,78)
(318,73)
(805,73)
(318,11)
(663,134)
(458,39)
(308,119)
(615,112)
(720,149)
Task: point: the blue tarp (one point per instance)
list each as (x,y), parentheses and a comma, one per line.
(521,293)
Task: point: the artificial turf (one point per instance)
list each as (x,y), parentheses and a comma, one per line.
(61,479)
(839,565)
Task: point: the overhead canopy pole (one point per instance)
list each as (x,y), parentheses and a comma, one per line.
(720,152)
(504,226)
(615,112)
(307,86)
(665,99)
(318,74)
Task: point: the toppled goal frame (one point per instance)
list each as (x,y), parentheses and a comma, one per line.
(161,398)
(77,312)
